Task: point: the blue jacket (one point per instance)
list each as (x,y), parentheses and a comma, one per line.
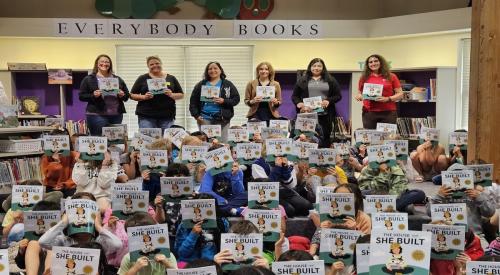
(191,246)
(152,185)
(208,182)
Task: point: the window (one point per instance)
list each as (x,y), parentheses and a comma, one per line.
(187,64)
(463,84)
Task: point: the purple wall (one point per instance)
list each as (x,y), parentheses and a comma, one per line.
(36,84)
(287,81)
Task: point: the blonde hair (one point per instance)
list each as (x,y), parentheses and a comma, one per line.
(191,140)
(153,57)
(160,144)
(269,67)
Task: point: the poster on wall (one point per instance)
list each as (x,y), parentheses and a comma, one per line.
(60,76)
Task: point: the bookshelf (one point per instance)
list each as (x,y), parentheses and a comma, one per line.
(440,108)
(287,80)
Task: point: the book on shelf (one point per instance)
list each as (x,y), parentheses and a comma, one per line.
(32,122)
(76,127)
(408,126)
(20,169)
(432,88)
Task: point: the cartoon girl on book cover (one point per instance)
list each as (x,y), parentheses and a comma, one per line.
(148,244)
(478,176)
(210,132)
(55,146)
(261,225)
(364,138)
(80,217)
(303,152)
(380,156)
(441,243)
(152,161)
(198,217)
(447,217)
(194,155)
(335,208)
(129,207)
(262,195)
(24,199)
(218,163)
(175,190)
(40,223)
(378,206)
(321,159)
(278,148)
(396,262)
(388,224)
(338,250)
(248,153)
(456,183)
(237,136)
(240,252)
(70,267)
(92,150)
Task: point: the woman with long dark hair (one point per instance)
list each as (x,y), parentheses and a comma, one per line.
(102,109)
(379,108)
(219,109)
(318,82)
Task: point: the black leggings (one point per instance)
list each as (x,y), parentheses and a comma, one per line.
(294,204)
(326,123)
(370,119)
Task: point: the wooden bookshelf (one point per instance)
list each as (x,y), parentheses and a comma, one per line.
(17,155)
(25,129)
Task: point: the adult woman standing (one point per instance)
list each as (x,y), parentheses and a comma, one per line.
(221,109)
(102,110)
(318,82)
(156,110)
(383,108)
(259,109)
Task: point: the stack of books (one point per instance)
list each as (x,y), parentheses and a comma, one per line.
(21,169)
(410,127)
(341,127)
(76,127)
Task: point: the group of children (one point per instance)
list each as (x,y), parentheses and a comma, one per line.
(195,245)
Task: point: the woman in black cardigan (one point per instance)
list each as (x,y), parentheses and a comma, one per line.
(102,110)
(318,82)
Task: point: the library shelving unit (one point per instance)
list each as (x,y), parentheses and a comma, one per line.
(436,110)
(287,80)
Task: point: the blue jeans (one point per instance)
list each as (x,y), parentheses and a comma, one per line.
(96,122)
(235,201)
(406,198)
(149,122)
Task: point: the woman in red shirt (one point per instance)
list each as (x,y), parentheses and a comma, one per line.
(376,107)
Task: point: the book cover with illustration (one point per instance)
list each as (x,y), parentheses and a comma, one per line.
(248,153)
(301,150)
(483,174)
(4,261)
(109,86)
(36,223)
(56,144)
(338,245)
(196,211)
(155,161)
(336,207)
(381,154)
(279,123)
(148,241)
(24,197)
(380,203)
(267,221)
(450,213)
(169,133)
(157,86)
(175,189)
(92,148)
(368,137)
(267,93)
(268,132)
(400,252)
(322,158)
(255,127)
(388,128)
(129,186)
(429,134)
(73,260)
(212,131)
(363,258)
(306,126)
(390,221)
(192,153)
(55,122)
(243,247)
(459,139)
(81,215)
(115,135)
(372,91)
(178,138)
(235,136)
(400,147)
(458,181)
(209,93)
(342,149)
(139,141)
(316,267)
(151,132)
(126,203)
(263,194)
(218,161)
(447,240)
(314,103)
(206,270)
(481,268)
(278,147)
